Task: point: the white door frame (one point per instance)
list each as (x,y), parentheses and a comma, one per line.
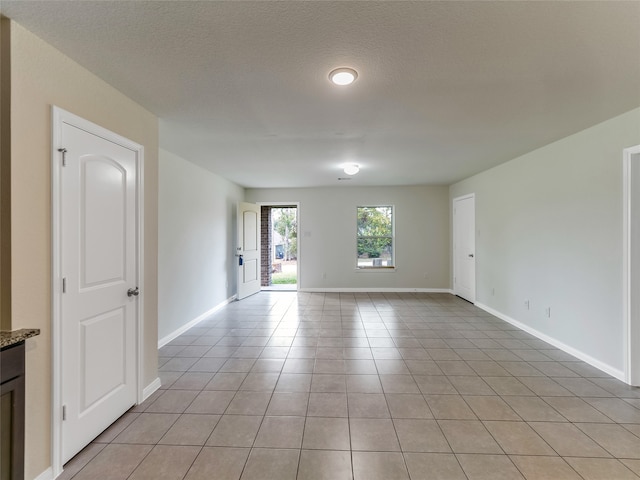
(60,117)
(299,237)
(631,266)
(455,240)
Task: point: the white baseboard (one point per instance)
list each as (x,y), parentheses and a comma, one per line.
(608,369)
(46,475)
(146,393)
(175,334)
(373,290)
(150,389)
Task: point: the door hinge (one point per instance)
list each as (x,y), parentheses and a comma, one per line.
(64,412)
(63,151)
(64,285)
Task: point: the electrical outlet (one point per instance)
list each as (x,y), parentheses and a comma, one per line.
(493,292)
(426,275)
(547,312)
(324,276)
(526,304)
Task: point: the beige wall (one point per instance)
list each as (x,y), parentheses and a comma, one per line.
(5,175)
(327,235)
(549,230)
(197,222)
(41,77)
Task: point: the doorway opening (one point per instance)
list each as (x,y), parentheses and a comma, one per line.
(279,247)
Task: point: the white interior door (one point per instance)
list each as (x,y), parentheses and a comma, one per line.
(248,250)
(632,262)
(98,265)
(464,247)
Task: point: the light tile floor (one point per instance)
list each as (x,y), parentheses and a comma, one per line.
(369,386)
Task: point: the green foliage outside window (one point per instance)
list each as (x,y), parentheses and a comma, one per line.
(286,226)
(375,233)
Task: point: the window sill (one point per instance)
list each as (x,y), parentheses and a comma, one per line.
(376,269)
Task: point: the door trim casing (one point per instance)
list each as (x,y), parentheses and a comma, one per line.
(630,271)
(59,118)
(454,240)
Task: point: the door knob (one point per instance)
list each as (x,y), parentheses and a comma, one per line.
(133,292)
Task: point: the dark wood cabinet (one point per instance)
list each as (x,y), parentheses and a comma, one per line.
(12,412)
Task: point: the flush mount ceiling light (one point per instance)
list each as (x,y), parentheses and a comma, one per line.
(351,169)
(343,76)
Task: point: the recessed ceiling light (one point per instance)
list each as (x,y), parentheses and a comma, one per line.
(343,76)
(351,169)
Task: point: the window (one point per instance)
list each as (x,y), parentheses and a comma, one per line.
(375,237)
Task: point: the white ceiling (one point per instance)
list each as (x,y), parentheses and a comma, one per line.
(445,89)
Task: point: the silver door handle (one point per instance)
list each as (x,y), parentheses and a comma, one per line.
(133,292)
(471,255)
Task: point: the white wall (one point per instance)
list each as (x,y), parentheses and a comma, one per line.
(549,229)
(327,235)
(196,266)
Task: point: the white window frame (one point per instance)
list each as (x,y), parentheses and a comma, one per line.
(393,240)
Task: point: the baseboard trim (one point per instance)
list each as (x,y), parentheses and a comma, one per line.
(608,369)
(146,393)
(150,389)
(374,290)
(175,334)
(46,475)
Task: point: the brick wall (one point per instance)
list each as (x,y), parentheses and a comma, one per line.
(265,246)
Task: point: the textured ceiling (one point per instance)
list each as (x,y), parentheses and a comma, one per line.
(445,89)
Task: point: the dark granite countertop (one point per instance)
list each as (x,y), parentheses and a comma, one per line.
(8,338)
